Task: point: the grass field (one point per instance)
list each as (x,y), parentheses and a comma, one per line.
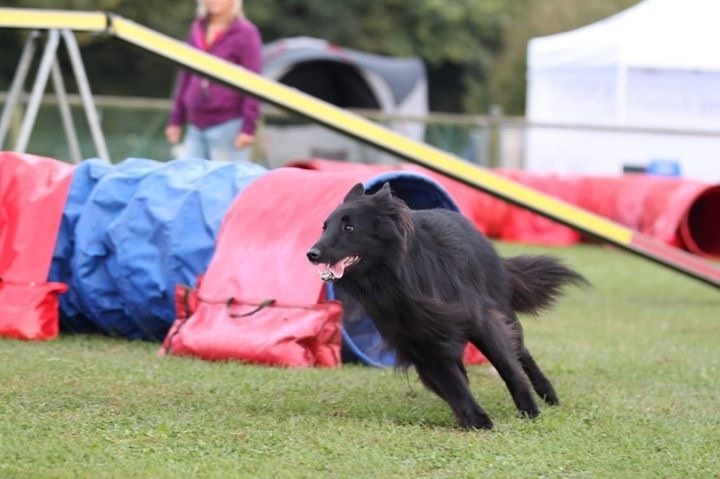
(635,360)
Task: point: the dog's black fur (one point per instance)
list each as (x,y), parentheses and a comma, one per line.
(432,282)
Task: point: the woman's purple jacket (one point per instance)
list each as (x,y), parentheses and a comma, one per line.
(205,103)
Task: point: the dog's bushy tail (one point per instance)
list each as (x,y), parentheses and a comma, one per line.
(536,281)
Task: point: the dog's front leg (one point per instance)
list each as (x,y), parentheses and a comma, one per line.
(447,381)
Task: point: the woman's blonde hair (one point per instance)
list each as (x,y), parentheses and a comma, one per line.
(237,8)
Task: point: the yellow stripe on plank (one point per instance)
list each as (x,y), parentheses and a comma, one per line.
(37,18)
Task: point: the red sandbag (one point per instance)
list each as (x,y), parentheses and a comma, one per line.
(29,311)
(33,191)
(275,335)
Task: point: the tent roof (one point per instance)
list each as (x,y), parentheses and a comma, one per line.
(662,34)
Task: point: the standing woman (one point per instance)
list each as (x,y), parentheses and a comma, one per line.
(220,120)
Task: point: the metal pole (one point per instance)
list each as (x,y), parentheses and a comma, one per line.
(86,95)
(65,113)
(13,96)
(37,92)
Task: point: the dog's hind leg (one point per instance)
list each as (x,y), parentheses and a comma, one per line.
(449,381)
(540,383)
(494,337)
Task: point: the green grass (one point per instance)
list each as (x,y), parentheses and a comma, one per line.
(635,359)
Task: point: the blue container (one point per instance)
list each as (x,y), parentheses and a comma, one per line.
(663,167)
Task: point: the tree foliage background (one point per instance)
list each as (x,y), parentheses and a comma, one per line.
(474,50)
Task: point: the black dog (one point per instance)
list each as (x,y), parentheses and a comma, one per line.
(432,282)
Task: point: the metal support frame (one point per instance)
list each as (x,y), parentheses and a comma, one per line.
(86,94)
(49,65)
(38,90)
(16,86)
(66,113)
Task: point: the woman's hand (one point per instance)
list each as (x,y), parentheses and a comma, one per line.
(172,134)
(243,140)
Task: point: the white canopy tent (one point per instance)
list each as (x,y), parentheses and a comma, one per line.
(654,65)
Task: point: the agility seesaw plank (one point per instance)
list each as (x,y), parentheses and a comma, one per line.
(415,152)
(53,19)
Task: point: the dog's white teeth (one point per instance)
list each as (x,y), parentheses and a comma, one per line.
(350,260)
(326,273)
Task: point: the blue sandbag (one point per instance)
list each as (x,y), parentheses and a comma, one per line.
(85,177)
(361,340)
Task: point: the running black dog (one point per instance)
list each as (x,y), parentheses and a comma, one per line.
(432,282)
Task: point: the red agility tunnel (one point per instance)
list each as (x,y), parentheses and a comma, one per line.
(675,211)
(494,217)
(700,227)
(33,191)
(261,301)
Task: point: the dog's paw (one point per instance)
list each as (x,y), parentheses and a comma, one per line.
(530,412)
(477,422)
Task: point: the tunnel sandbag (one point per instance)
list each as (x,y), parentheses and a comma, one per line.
(33,192)
(85,177)
(147,226)
(260,300)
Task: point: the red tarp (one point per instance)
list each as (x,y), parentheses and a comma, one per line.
(33,191)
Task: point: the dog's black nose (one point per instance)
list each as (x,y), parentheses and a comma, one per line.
(313,255)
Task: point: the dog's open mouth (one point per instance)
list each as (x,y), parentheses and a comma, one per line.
(331,272)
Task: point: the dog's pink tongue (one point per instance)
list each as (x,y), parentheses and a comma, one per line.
(337,269)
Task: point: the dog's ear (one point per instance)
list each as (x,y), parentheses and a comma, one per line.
(355,192)
(384,193)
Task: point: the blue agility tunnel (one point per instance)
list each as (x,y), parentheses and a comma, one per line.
(361,340)
(85,177)
(143,227)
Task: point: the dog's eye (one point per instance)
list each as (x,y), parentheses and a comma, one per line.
(348,228)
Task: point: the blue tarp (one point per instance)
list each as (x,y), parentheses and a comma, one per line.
(145,227)
(85,177)
(361,340)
